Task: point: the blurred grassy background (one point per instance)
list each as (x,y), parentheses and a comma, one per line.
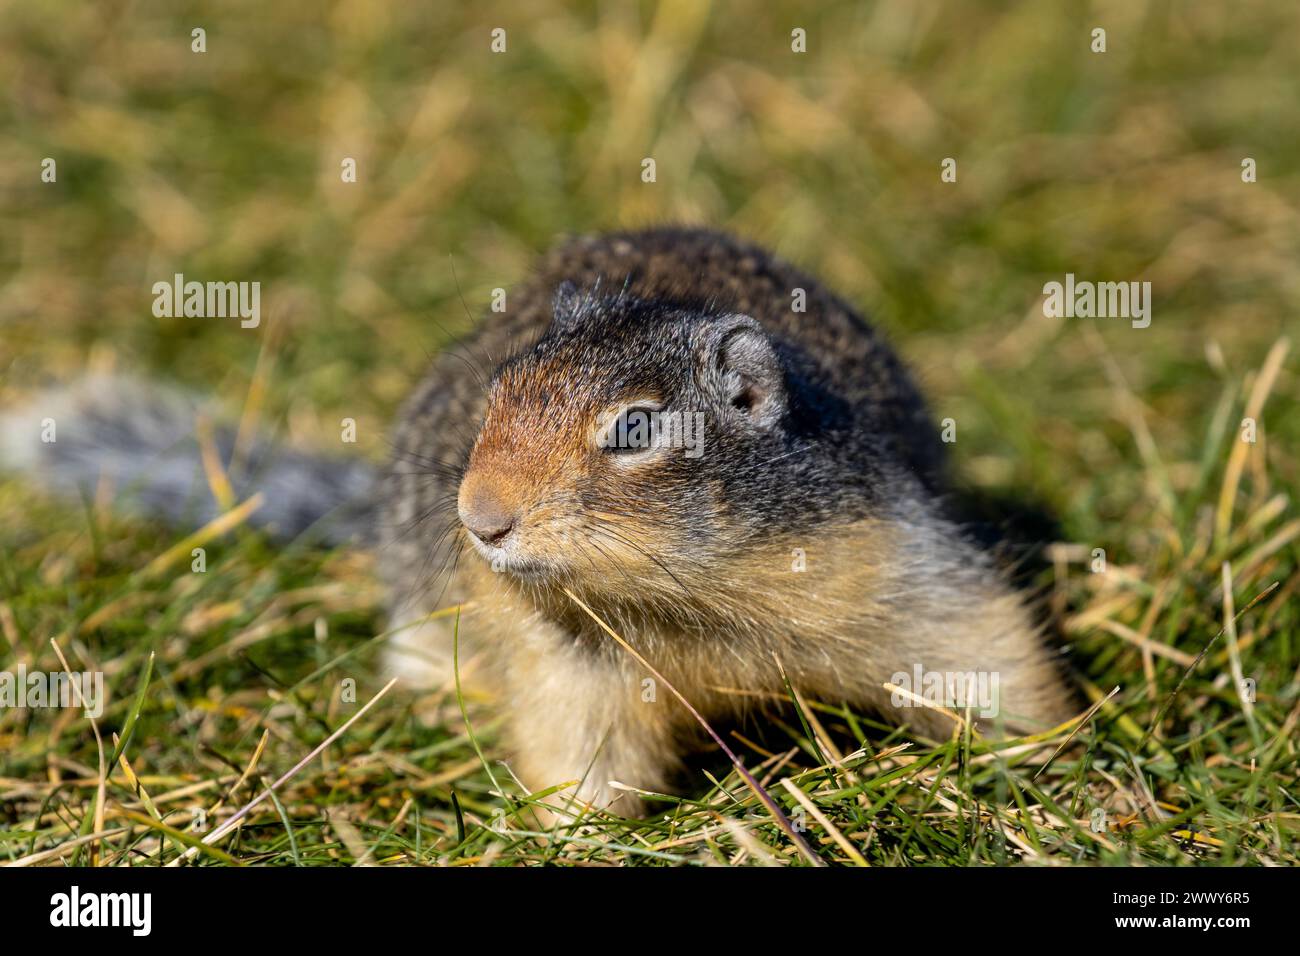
(225,166)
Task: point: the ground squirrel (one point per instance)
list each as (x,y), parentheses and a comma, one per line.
(702,444)
(783,514)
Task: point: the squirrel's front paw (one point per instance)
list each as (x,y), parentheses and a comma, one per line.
(599,793)
(598,754)
(422,657)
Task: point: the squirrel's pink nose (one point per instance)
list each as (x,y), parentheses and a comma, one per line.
(486,516)
(490,528)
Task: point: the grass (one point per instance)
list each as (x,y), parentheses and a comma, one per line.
(1122,165)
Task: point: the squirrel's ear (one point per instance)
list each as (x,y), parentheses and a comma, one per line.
(745,371)
(567,306)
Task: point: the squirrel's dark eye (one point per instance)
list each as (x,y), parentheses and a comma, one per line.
(633,431)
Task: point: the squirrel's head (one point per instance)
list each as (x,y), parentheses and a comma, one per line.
(624,452)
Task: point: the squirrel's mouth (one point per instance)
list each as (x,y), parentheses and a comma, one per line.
(508,560)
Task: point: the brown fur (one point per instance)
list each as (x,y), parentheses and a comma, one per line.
(826,452)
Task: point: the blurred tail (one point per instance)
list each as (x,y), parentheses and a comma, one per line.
(143,440)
